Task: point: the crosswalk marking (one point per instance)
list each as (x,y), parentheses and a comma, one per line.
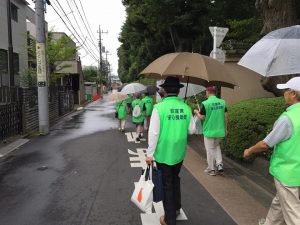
(159,209)
(131,137)
(138,158)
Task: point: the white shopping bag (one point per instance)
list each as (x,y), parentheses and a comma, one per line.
(198,126)
(142,195)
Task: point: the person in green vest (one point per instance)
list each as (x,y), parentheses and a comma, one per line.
(121,114)
(138,116)
(170,123)
(285,159)
(214,115)
(129,102)
(148,102)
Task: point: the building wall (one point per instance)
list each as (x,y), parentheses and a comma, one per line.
(18,36)
(249,84)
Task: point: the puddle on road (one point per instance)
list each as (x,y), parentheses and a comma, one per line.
(98,116)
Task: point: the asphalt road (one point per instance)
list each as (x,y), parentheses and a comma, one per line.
(81,174)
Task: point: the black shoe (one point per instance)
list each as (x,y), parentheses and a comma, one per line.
(122,130)
(138,139)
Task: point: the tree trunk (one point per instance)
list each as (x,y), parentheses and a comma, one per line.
(276,14)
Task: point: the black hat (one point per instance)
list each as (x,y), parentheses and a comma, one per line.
(172,82)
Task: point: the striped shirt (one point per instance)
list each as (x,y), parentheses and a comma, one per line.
(281,131)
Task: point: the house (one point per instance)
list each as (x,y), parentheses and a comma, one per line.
(73,68)
(19,14)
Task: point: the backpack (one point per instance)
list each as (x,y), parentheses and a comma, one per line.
(136,111)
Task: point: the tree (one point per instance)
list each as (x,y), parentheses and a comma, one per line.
(57,50)
(277,14)
(156,27)
(90,74)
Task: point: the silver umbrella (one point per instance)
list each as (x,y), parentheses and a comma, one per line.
(277,53)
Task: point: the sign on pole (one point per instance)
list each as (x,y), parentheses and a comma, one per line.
(219,33)
(219,55)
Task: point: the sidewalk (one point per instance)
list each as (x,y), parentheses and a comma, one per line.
(239,191)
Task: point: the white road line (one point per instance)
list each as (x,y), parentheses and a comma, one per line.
(138,158)
(159,209)
(131,137)
(12,146)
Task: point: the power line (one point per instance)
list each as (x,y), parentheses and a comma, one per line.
(83,42)
(87,51)
(82,19)
(87,45)
(91,41)
(86,18)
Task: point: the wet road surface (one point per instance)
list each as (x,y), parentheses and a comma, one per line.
(81,174)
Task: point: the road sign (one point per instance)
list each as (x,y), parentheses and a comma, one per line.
(218,33)
(219,55)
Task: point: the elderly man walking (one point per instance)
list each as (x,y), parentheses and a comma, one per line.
(214,116)
(285,160)
(170,123)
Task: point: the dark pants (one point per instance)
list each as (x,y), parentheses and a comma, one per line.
(171,187)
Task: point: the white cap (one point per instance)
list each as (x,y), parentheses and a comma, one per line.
(293,84)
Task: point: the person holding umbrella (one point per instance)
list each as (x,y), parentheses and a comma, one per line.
(215,117)
(285,160)
(170,124)
(138,115)
(148,102)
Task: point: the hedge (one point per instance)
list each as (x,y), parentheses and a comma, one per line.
(249,121)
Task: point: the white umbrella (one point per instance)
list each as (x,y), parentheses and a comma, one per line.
(132,88)
(115,97)
(192,89)
(277,53)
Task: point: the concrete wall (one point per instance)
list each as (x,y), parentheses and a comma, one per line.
(249,85)
(19,36)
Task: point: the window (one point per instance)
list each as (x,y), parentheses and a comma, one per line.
(3,61)
(14,12)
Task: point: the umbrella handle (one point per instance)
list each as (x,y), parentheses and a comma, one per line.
(196,99)
(187,86)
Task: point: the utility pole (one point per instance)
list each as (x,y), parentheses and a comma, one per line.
(41,66)
(100,59)
(10,47)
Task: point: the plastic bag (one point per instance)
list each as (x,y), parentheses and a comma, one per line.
(142,195)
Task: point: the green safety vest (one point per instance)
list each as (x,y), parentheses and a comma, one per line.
(285,161)
(142,117)
(214,123)
(148,101)
(174,117)
(120,108)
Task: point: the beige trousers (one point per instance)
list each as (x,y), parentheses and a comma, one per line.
(122,124)
(285,207)
(213,152)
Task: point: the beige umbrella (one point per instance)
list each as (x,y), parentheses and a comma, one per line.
(115,97)
(190,68)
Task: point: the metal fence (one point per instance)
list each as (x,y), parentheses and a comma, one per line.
(19,108)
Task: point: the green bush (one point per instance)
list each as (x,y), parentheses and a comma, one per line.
(250,121)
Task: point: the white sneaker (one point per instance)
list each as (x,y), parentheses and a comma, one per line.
(207,170)
(211,173)
(261,221)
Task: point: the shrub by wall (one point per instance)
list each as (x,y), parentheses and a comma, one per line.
(249,122)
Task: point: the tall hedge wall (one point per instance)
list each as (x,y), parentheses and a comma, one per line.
(250,121)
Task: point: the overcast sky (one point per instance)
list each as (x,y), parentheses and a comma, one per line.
(110,15)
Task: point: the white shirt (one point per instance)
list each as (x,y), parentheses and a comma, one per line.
(154,130)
